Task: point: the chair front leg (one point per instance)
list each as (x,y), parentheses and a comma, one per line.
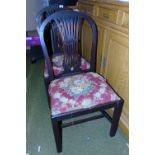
(116,116)
(57,130)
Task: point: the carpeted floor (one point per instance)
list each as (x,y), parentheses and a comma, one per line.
(91,138)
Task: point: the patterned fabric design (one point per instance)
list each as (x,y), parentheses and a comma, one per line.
(78,92)
(58,67)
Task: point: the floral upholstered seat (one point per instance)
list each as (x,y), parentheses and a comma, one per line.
(58,65)
(78,92)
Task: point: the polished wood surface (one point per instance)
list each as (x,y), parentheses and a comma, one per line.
(112,19)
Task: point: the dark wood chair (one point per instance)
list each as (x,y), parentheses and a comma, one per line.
(77,92)
(53,42)
(41,16)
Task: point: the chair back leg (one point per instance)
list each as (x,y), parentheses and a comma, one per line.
(57,130)
(46,83)
(116,117)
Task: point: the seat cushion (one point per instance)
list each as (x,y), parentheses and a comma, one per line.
(58,65)
(78,92)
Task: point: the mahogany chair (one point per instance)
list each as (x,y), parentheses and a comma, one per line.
(77,92)
(53,42)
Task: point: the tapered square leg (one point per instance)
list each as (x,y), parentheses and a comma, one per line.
(46,82)
(116,116)
(57,130)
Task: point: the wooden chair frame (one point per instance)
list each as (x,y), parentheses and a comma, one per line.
(57,121)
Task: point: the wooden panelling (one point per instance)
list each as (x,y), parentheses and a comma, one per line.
(117,67)
(112,19)
(100,47)
(107,14)
(88,8)
(123,19)
(86,40)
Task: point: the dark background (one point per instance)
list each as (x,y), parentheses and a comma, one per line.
(63,2)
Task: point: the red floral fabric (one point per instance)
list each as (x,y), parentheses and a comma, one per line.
(58,67)
(78,92)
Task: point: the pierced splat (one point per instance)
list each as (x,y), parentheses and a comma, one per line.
(69,30)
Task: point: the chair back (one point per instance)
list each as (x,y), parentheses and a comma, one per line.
(70,25)
(41,16)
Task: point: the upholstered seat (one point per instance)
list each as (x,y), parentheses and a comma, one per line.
(78,92)
(58,65)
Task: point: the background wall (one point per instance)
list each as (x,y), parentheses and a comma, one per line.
(32,8)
